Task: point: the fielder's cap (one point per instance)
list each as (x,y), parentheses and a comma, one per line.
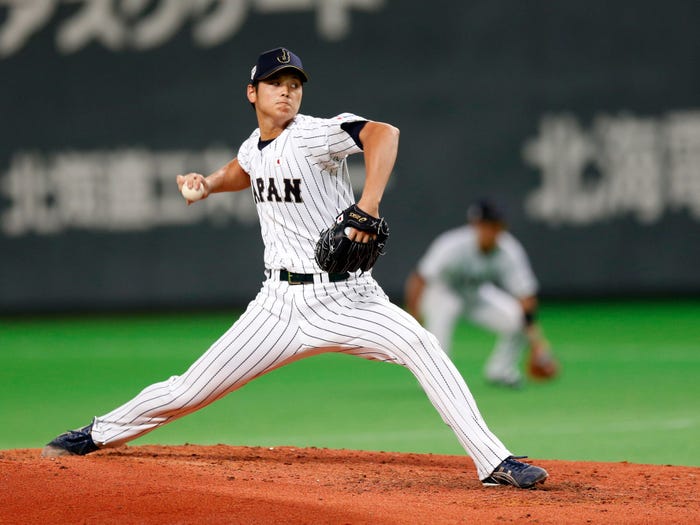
(275,60)
(485,210)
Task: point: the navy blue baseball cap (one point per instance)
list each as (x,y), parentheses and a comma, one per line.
(275,60)
(485,210)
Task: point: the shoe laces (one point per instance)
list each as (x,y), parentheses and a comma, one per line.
(78,433)
(512,463)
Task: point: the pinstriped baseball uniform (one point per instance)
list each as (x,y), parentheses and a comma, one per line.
(312,151)
(299,183)
(483,287)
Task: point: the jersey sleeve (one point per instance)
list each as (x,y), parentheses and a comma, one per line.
(517,275)
(439,255)
(340,142)
(243,155)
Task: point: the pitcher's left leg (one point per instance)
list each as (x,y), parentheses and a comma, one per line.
(361,321)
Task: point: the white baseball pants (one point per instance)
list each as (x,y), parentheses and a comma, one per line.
(489,307)
(285,323)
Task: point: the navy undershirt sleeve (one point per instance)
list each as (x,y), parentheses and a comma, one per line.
(353,129)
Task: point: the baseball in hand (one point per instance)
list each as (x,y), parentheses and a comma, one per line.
(192,194)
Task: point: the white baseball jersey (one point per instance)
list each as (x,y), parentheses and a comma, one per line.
(300,183)
(455,259)
(299,186)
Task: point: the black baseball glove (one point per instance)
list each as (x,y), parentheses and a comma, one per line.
(336,253)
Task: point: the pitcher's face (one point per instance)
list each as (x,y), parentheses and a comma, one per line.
(278,96)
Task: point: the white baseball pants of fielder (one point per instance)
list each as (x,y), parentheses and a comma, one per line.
(489,307)
(285,323)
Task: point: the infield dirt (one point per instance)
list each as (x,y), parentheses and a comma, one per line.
(224,484)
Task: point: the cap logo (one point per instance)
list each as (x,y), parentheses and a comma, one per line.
(284,58)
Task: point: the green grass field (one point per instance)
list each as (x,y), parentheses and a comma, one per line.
(629,391)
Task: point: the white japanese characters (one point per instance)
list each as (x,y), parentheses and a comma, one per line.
(52,193)
(623,166)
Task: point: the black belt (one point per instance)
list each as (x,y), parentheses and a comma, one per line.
(303,278)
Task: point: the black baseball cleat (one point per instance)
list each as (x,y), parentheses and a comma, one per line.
(514,472)
(72,443)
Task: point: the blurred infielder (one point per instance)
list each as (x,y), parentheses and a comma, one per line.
(295,167)
(480,271)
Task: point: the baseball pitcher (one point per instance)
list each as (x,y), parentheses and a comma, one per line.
(318,294)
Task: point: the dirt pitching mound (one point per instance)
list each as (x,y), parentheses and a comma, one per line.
(224,484)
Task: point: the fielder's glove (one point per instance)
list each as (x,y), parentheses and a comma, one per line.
(336,253)
(542,365)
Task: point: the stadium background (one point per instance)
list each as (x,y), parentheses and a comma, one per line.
(582,119)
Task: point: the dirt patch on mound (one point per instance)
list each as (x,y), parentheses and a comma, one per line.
(224,484)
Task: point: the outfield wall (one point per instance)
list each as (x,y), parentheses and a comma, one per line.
(582,118)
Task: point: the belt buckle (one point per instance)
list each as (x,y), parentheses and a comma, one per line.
(290,281)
